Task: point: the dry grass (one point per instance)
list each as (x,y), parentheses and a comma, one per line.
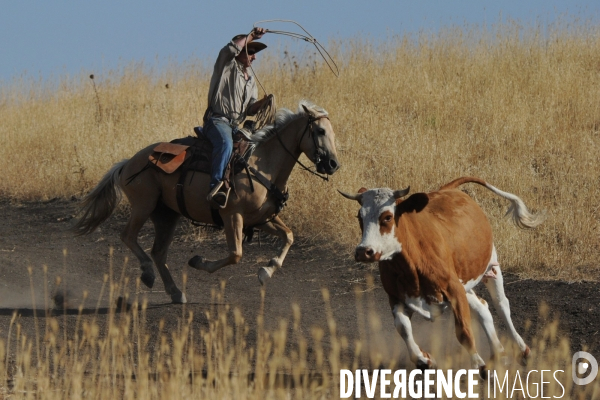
(511,105)
(125,355)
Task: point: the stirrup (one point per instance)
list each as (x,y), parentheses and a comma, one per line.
(218,198)
(214,190)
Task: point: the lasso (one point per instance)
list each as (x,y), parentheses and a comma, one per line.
(266,114)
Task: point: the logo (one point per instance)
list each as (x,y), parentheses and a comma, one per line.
(584,364)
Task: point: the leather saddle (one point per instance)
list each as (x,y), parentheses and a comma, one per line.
(195,154)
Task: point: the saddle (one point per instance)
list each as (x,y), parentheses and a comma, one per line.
(195,154)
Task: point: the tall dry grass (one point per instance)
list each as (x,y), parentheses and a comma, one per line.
(118,352)
(517,106)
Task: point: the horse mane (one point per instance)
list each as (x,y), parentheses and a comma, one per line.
(283,116)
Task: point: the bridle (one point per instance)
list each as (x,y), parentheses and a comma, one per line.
(279,196)
(318,150)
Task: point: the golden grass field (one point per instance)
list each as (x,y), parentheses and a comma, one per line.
(518,107)
(506,105)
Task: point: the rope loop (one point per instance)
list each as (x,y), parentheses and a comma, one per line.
(306,37)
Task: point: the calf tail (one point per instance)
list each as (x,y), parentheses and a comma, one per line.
(100,203)
(518,211)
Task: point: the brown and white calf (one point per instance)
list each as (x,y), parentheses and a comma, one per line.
(432,249)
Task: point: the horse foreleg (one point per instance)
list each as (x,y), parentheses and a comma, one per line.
(276,227)
(165,221)
(234,225)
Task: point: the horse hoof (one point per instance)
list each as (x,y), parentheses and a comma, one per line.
(178,298)
(147,279)
(196,261)
(263,275)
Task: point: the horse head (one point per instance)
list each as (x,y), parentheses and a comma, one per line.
(318,140)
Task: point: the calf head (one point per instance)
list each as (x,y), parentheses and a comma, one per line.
(377,223)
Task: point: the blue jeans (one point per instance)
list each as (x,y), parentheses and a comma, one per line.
(220,135)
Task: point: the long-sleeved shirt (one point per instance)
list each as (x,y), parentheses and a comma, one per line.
(230,94)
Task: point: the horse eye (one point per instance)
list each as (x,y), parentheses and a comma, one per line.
(321,131)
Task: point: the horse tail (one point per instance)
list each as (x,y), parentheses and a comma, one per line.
(518,211)
(100,203)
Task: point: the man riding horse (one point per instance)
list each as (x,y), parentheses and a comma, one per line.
(163,196)
(232,96)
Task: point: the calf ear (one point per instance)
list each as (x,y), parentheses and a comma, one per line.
(362,190)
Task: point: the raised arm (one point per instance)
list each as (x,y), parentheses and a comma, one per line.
(240,41)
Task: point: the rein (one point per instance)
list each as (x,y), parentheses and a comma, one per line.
(308,124)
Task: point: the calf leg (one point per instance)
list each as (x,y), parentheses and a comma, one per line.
(462,323)
(496,289)
(404,327)
(276,227)
(482,311)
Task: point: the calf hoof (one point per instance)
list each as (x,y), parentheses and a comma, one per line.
(428,363)
(196,261)
(178,298)
(483,372)
(525,356)
(148,278)
(263,275)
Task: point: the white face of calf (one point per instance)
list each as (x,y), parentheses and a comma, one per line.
(376,217)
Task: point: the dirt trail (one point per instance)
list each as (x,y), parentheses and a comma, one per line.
(35,234)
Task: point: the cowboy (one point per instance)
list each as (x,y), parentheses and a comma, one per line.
(232,96)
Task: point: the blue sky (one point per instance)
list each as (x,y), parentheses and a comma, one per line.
(42,39)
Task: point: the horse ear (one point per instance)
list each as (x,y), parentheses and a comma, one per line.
(306,110)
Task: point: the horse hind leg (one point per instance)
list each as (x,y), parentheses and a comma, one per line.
(234,224)
(277,228)
(165,221)
(129,236)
